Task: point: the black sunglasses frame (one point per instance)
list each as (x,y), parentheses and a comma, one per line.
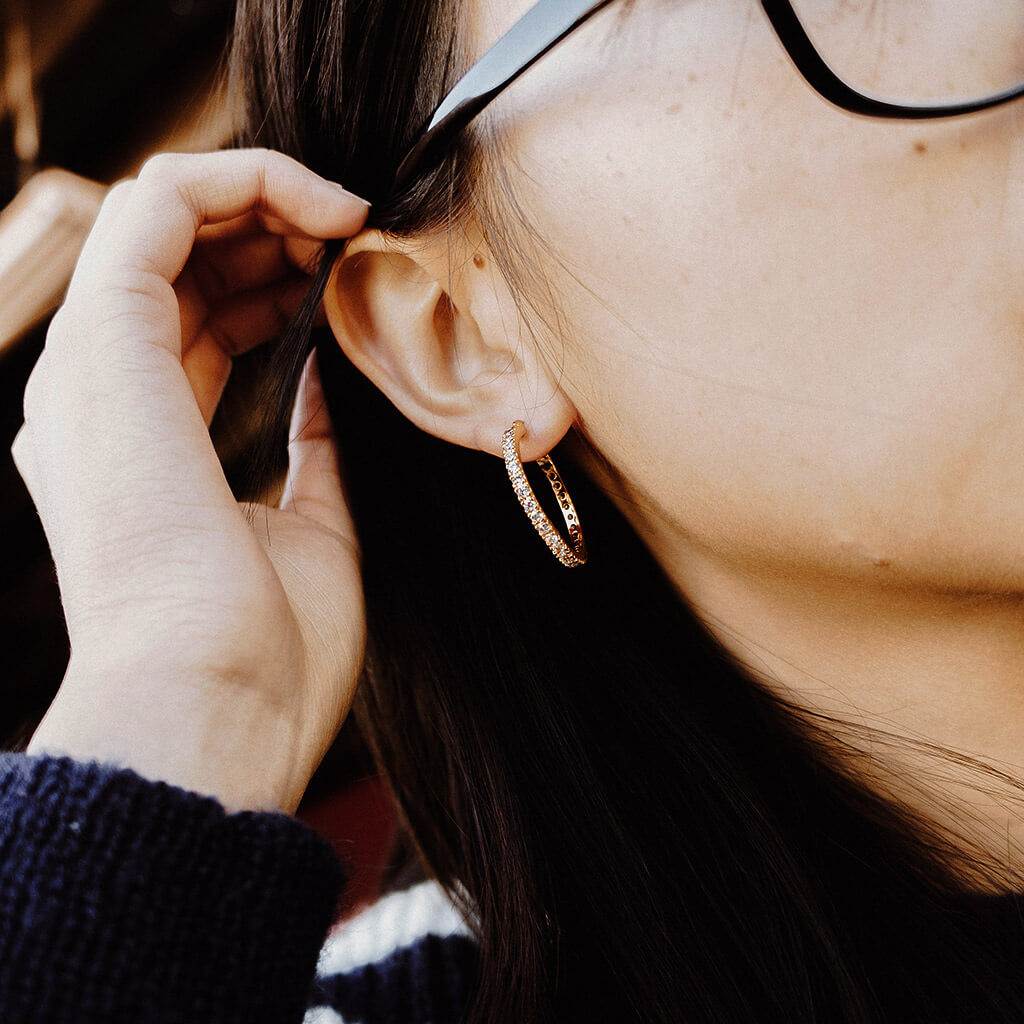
(548,22)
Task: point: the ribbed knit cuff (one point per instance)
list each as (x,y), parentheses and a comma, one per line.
(123,899)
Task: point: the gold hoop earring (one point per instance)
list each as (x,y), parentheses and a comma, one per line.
(570,556)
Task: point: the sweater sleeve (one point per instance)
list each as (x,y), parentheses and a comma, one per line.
(124,899)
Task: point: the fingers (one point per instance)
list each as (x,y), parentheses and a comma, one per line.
(119,410)
(247,320)
(235,326)
(226,266)
(207,369)
(116,448)
(250,223)
(242,290)
(242,321)
(313,487)
(207,215)
(153,222)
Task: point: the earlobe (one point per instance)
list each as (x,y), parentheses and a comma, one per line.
(440,339)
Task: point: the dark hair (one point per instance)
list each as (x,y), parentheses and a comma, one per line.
(643,831)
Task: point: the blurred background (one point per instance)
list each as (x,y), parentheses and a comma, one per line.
(88,90)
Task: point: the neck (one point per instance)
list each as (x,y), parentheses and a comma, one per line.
(905,677)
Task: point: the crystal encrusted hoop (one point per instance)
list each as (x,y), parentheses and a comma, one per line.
(570,556)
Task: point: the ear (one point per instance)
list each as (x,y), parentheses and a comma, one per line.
(432,323)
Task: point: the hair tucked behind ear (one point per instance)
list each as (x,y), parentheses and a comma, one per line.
(643,832)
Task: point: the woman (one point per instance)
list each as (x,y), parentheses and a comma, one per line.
(755,760)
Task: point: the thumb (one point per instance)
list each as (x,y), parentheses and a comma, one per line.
(313,487)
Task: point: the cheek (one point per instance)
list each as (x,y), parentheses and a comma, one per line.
(789,331)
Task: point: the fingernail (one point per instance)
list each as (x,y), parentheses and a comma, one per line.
(349,195)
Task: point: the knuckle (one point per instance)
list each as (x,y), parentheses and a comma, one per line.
(261,172)
(19,456)
(33,400)
(261,160)
(58,324)
(19,447)
(163,169)
(163,180)
(118,193)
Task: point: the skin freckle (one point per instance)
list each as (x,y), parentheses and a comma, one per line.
(920,147)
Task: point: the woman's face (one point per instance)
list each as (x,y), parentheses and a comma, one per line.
(796,334)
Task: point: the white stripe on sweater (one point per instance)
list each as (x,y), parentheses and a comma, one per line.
(322,1015)
(394,922)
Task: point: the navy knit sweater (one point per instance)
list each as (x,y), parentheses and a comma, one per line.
(123,899)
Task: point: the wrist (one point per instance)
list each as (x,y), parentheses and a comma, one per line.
(195,737)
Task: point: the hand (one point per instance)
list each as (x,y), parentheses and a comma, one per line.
(206,652)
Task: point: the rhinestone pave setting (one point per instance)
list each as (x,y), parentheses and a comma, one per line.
(573,555)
